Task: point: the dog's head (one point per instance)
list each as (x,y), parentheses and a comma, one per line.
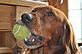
(50,26)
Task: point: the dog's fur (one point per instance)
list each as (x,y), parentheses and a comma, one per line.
(52,23)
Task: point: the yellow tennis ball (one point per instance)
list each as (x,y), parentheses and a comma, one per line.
(20,31)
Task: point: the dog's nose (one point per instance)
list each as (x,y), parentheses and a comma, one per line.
(26,17)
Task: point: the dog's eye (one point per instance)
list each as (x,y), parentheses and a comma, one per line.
(50,14)
(33,10)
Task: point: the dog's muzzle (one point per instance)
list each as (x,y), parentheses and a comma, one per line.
(34,41)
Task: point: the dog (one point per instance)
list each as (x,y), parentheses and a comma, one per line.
(49,27)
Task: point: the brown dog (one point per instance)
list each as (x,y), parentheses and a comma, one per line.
(51,28)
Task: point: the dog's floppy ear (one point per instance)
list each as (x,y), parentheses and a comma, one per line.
(69,39)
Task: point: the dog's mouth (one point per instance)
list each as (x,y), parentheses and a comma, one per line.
(34,41)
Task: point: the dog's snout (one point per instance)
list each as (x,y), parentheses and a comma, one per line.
(26,17)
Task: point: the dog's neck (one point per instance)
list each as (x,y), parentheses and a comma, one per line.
(56,49)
